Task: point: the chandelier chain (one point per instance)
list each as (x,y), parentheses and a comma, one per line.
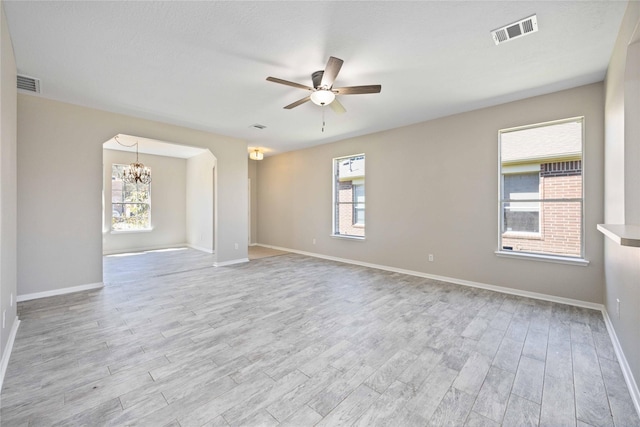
(135,172)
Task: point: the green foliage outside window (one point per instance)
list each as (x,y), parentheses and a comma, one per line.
(131,203)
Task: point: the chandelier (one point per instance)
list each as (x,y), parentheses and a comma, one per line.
(136,172)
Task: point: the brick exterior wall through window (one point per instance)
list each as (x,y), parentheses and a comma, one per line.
(345,211)
(560,222)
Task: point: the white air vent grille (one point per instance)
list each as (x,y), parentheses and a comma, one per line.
(30,84)
(517,29)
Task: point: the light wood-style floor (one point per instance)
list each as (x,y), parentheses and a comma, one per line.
(296,341)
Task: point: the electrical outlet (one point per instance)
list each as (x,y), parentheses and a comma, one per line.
(430,257)
(236,246)
(314,241)
(11,300)
(618,307)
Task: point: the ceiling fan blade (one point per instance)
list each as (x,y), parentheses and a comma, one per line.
(288,83)
(357,90)
(337,107)
(331,71)
(298,102)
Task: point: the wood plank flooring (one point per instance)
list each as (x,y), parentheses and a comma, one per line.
(298,341)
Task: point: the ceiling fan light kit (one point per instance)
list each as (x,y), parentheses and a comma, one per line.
(322,97)
(322,92)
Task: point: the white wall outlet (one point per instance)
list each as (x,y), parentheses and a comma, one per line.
(236,246)
(430,257)
(618,307)
(11,300)
(314,240)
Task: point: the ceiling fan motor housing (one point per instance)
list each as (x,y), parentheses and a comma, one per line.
(317,78)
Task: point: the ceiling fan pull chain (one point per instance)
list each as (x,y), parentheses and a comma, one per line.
(323,119)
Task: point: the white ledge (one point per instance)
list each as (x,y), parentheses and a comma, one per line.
(348,237)
(544,257)
(622,234)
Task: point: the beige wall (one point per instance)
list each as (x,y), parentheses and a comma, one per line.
(432,188)
(168,204)
(200,203)
(622,185)
(8,203)
(253,177)
(60,174)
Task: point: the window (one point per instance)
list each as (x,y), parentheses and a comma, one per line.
(348,196)
(130,203)
(541,193)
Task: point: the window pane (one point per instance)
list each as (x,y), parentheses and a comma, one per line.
(349,196)
(542,142)
(559,233)
(138,193)
(522,186)
(131,207)
(131,216)
(358,204)
(521,217)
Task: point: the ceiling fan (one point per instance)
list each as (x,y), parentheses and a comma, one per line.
(323,93)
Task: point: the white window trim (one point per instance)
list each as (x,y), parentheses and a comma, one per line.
(139,230)
(558,259)
(348,237)
(561,259)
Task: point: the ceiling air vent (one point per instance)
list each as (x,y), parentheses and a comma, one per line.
(517,29)
(29,84)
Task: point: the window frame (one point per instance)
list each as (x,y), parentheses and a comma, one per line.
(543,256)
(335,203)
(112,203)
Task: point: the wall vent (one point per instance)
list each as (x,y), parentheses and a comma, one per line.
(517,29)
(30,84)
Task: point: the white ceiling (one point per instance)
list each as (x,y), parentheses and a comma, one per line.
(204,64)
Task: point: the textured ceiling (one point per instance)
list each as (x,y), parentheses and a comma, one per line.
(204,64)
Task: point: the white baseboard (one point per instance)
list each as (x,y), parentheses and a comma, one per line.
(632,385)
(231,262)
(7,351)
(501,289)
(144,249)
(201,248)
(62,291)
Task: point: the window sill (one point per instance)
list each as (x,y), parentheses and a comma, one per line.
(346,237)
(545,258)
(146,230)
(522,235)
